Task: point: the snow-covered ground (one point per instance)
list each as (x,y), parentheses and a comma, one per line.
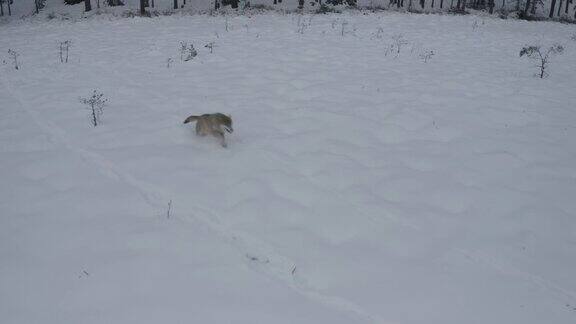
(358,187)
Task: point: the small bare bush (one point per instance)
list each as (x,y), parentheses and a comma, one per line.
(210,46)
(476,25)
(187,52)
(378,34)
(541,56)
(14,56)
(64,49)
(96,103)
(425,55)
(343,28)
(302,24)
(395,47)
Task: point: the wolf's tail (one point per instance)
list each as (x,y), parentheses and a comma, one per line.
(191,118)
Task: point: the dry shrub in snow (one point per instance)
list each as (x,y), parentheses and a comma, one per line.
(543,57)
(95,103)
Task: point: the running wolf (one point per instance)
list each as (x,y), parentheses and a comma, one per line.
(212,124)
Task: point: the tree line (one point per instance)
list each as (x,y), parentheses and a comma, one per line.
(524,8)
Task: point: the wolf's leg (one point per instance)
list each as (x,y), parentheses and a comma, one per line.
(199,130)
(220,136)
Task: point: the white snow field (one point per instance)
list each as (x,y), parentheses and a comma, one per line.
(357,187)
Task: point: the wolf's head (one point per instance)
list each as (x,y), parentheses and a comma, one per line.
(227,123)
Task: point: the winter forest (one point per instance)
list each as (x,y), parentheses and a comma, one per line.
(524,9)
(288,161)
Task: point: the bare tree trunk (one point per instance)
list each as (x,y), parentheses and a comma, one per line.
(441,4)
(142,7)
(533,8)
(560,8)
(1,8)
(491,10)
(567,3)
(432,4)
(87,5)
(175,4)
(9,9)
(552,9)
(94,118)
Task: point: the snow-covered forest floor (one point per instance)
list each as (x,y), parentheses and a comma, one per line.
(361,185)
